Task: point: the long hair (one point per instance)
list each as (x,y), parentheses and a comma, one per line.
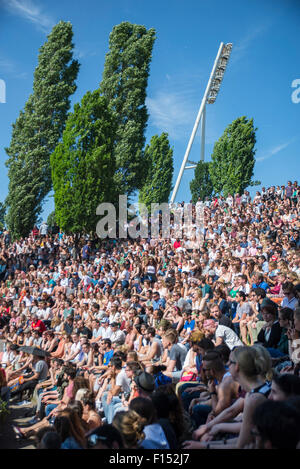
(68,424)
(176,411)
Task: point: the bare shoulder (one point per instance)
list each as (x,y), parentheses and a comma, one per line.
(254,399)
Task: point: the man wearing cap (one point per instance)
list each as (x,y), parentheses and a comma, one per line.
(75,279)
(106,329)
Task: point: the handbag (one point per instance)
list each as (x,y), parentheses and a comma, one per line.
(188,376)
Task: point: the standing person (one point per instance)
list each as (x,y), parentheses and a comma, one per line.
(86,251)
(43,229)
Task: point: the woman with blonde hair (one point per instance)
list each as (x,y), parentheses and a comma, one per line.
(131,425)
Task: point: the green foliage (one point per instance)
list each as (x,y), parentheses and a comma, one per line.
(4,410)
(124,84)
(159,167)
(201,186)
(83,166)
(2,213)
(233,158)
(38,129)
(51,220)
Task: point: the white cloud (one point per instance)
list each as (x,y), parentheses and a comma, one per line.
(175,112)
(81,53)
(6,65)
(30,11)
(275,150)
(240,48)
(171,112)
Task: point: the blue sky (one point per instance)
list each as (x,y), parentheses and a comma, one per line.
(265,61)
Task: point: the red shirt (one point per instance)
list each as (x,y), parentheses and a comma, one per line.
(177,244)
(39,325)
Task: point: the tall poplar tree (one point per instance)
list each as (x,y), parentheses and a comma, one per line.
(124,84)
(201,186)
(83,166)
(159,171)
(39,128)
(233,158)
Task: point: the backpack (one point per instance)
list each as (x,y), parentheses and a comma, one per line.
(161,379)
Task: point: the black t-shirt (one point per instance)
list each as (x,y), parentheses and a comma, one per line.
(85,331)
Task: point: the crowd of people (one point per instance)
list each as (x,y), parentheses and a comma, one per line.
(190,342)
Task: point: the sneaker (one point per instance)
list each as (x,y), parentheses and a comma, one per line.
(33,421)
(23,403)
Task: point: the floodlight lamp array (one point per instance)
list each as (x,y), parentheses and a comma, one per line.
(219,73)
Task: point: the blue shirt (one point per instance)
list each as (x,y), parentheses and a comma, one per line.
(160,302)
(190,324)
(262,285)
(86,251)
(70,443)
(107,357)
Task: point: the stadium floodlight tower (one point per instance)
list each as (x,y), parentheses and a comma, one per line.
(210,95)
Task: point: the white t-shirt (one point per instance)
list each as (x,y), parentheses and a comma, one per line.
(75,348)
(118,337)
(123,381)
(229,336)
